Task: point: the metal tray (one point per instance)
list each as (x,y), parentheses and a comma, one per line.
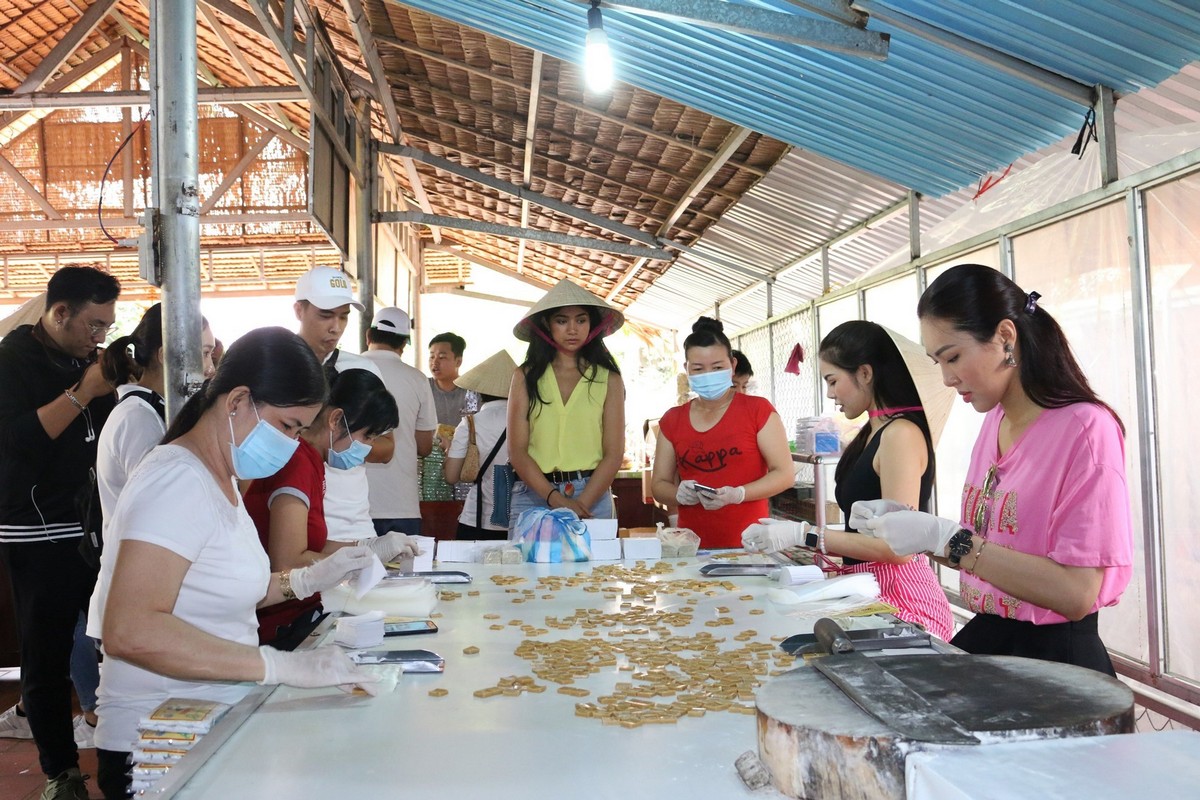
(729,570)
(434,576)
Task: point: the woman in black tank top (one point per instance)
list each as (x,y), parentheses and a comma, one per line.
(892,457)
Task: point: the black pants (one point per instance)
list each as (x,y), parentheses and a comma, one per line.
(51,584)
(1075,643)
(113,774)
(470,533)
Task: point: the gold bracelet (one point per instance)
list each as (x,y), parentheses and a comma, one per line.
(285,585)
(979,555)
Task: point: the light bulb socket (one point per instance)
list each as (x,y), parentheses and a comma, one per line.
(595,20)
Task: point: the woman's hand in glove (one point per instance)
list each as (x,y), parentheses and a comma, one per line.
(863,510)
(391,545)
(686,494)
(330,571)
(908,532)
(310,669)
(725,496)
(773,535)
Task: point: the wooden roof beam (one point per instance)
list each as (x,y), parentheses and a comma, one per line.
(406,47)
(566,187)
(484,108)
(514,232)
(531,117)
(549,159)
(523,194)
(235,52)
(67,45)
(730,146)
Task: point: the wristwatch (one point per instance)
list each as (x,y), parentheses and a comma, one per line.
(960,545)
(812,539)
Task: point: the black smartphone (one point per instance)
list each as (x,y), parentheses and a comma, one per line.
(409,626)
(700,487)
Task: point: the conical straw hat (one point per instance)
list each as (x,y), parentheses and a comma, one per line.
(566,293)
(492,377)
(936,397)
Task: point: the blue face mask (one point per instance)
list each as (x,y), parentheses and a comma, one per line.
(352,456)
(711,385)
(263,452)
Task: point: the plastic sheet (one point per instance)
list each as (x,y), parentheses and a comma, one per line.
(408,597)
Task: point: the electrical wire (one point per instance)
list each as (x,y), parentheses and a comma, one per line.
(104,180)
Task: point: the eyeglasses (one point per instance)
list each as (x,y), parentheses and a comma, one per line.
(98,328)
(983,506)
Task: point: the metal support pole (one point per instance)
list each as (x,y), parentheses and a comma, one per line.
(365,245)
(1147,432)
(176,149)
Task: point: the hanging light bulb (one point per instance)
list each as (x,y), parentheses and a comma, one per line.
(597,59)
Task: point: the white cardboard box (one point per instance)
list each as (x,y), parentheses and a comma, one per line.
(606,550)
(455,550)
(644,547)
(601,528)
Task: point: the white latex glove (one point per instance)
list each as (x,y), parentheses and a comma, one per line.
(863,510)
(686,494)
(773,535)
(908,532)
(391,545)
(330,571)
(725,496)
(310,669)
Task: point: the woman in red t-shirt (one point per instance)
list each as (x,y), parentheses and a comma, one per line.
(721,455)
(288,508)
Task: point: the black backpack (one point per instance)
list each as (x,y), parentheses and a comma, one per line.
(87,499)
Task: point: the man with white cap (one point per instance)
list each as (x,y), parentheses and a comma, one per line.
(324,296)
(395,489)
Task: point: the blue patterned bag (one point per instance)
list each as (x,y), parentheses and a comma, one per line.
(552,535)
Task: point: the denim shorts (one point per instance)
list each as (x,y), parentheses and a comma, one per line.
(523,500)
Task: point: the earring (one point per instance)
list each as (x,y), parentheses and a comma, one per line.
(1009,360)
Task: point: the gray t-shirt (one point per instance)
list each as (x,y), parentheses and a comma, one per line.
(450,405)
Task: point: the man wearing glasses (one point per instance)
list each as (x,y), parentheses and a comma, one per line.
(53,402)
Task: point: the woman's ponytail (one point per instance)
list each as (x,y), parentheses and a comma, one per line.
(116,365)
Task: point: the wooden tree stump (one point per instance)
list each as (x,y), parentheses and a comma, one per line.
(818,744)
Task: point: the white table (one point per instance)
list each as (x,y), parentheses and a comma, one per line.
(1148,765)
(302,744)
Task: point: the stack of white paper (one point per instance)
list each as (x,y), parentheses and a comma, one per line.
(363,630)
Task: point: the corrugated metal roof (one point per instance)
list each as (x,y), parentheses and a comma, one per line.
(925,118)
(807,200)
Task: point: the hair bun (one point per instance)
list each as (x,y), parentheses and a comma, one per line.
(708,324)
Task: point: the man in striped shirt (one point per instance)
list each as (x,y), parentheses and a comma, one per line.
(53,402)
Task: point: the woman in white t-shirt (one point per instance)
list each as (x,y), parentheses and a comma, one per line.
(183,570)
(490,381)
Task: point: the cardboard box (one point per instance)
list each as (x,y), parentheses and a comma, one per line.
(627,533)
(601,529)
(606,549)
(641,547)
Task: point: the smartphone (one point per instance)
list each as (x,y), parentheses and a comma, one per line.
(409,626)
(700,487)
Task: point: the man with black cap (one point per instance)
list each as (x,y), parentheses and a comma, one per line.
(53,401)
(395,495)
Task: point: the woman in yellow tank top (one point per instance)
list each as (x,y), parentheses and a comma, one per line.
(566,413)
